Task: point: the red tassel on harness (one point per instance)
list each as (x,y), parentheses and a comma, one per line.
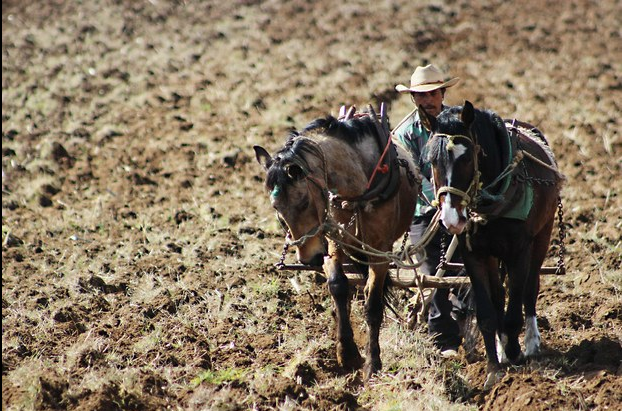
(384,168)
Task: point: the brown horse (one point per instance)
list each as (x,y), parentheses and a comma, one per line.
(498,192)
(342,188)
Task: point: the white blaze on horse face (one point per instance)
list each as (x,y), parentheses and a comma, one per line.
(449,215)
(459,150)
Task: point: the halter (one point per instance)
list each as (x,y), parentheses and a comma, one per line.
(468,196)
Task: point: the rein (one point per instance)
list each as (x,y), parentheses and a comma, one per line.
(380,168)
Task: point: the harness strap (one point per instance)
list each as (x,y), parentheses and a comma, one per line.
(509,169)
(384,185)
(383,168)
(542,163)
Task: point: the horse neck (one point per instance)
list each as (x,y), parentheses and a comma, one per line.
(347,168)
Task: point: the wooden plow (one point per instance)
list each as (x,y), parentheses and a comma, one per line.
(407,278)
(427,281)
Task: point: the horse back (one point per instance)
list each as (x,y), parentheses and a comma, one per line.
(386,221)
(539,165)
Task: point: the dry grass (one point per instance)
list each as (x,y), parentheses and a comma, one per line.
(111,301)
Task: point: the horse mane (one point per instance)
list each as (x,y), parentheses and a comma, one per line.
(300,143)
(350,131)
(484,121)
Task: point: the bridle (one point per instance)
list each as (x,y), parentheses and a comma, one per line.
(469,196)
(322,187)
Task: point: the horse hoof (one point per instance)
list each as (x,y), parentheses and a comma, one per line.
(512,352)
(350,364)
(349,358)
(520,359)
(493,378)
(353,364)
(371,368)
(449,353)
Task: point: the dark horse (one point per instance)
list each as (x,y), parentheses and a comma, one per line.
(339,195)
(498,191)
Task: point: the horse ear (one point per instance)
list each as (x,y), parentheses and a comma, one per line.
(468,113)
(428,121)
(262,157)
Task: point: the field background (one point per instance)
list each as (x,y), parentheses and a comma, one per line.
(138,243)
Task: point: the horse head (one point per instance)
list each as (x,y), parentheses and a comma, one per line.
(452,150)
(298,194)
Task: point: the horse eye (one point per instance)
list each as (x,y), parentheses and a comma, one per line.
(303,206)
(295,172)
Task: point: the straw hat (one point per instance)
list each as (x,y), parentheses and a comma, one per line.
(425,79)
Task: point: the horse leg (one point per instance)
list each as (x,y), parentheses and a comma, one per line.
(374,312)
(486,314)
(532,288)
(497,296)
(513,322)
(348,355)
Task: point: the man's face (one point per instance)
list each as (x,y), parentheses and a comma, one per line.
(432,101)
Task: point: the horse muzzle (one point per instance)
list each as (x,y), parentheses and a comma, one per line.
(453,219)
(456,229)
(312,251)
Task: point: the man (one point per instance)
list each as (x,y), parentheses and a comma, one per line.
(427,89)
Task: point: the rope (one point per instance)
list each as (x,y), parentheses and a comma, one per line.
(509,169)
(304,237)
(542,163)
(466,198)
(339,234)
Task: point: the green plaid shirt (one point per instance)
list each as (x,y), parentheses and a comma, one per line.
(414,136)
